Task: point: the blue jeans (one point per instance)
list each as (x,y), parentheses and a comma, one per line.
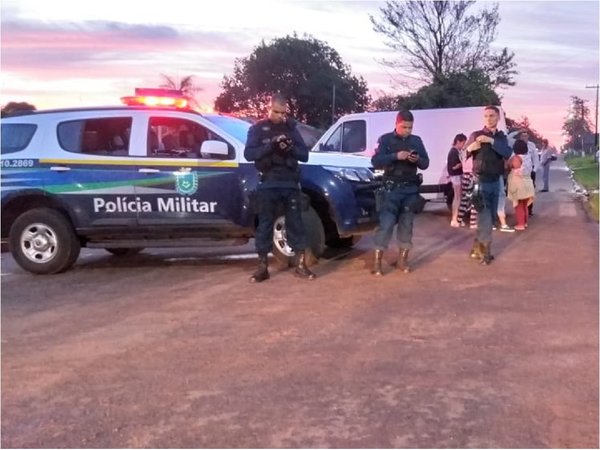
(398,207)
(268,202)
(487,216)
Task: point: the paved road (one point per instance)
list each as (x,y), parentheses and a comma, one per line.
(177,349)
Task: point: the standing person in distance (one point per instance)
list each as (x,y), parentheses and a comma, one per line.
(455,172)
(400,154)
(520,185)
(533,156)
(548,155)
(276,147)
(489,147)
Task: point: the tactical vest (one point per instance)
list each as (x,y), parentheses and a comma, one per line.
(402,171)
(278,165)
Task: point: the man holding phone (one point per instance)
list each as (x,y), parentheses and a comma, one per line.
(489,149)
(400,154)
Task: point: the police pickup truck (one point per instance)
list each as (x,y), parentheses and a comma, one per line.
(153,173)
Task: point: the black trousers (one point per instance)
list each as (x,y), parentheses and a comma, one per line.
(268,203)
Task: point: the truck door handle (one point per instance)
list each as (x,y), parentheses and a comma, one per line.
(149,171)
(60,168)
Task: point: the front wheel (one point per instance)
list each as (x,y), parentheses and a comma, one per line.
(315,239)
(42,241)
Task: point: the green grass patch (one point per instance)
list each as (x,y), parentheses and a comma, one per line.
(593,203)
(585,172)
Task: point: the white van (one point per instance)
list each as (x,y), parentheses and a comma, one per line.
(358,133)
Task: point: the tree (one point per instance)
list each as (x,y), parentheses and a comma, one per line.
(524,124)
(186,85)
(458,90)
(577,123)
(305,70)
(438,39)
(12,107)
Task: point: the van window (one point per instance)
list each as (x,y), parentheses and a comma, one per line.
(354,136)
(349,137)
(170,137)
(107,136)
(16,136)
(334,143)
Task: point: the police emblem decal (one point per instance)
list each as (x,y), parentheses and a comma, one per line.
(186,183)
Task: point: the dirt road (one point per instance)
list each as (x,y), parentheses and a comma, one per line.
(177,349)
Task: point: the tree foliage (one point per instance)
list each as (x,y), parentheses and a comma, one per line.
(458,90)
(186,85)
(12,107)
(577,123)
(523,124)
(305,70)
(438,39)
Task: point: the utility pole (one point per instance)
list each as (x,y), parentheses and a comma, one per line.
(596,127)
(333,106)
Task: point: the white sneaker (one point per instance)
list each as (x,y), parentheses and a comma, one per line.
(507,229)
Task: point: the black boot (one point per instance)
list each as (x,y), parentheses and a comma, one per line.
(301,270)
(476,250)
(262,273)
(377,259)
(402,263)
(487,257)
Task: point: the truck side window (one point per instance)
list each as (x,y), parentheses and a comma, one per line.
(170,137)
(108,136)
(354,136)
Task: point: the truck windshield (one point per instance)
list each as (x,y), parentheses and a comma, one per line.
(232,126)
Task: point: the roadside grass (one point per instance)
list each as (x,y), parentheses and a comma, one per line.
(585,172)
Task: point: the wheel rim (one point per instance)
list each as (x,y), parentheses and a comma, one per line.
(280,238)
(39,243)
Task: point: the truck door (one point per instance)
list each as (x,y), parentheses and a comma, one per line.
(90,171)
(182,186)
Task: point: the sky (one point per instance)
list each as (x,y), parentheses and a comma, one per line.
(62,53)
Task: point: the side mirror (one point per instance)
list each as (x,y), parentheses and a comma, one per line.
(210,148)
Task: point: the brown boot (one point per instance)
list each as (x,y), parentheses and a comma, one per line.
(377,259)
(476,250)
(487,257)
(302,270)
(402,263)
(262,272)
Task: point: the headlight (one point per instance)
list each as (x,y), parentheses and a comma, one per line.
(352,173)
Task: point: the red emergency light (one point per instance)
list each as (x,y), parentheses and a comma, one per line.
(156,97)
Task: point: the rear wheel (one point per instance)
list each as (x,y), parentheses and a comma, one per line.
(315,239)
(42,241)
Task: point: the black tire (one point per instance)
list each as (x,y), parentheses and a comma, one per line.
(42,241)
(124,251)
(315,236)
(346,242)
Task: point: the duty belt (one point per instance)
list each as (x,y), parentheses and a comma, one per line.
(390,185)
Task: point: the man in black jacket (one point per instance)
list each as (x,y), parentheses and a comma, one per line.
(489,148)
(400,154)
(276,146)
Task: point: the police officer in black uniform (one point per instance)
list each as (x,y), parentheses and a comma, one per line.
(400,154)
(276,146)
